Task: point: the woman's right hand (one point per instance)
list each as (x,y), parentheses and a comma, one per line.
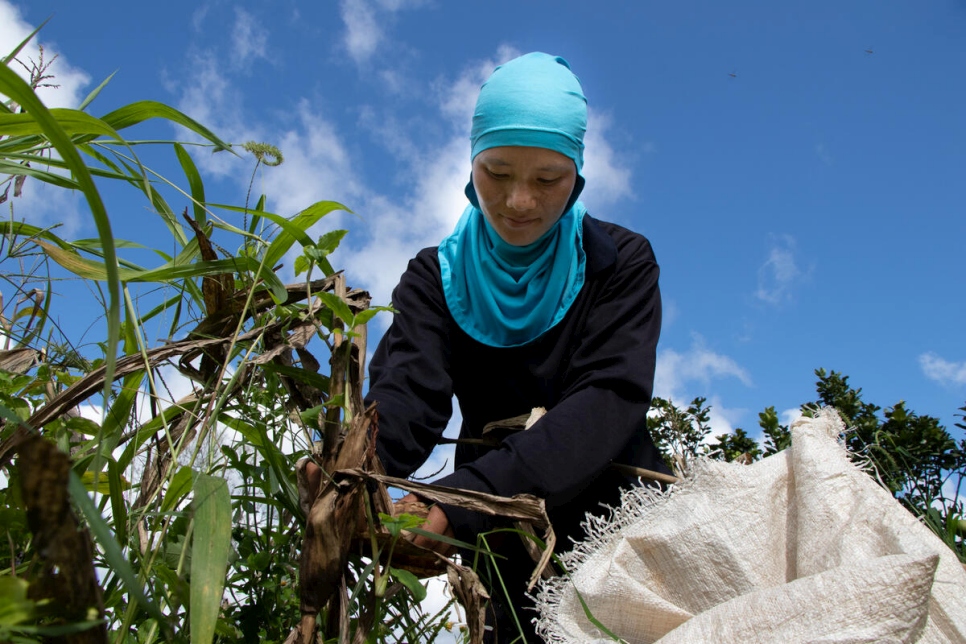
(436,522)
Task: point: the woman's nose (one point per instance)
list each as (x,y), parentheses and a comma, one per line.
(520,198)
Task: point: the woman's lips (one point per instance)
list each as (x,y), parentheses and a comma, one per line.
(517,223)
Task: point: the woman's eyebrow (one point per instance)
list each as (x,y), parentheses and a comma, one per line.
(503,163)
(557,167)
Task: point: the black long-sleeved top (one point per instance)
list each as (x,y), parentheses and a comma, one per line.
(593,372)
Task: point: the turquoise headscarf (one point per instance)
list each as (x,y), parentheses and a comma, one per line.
(504,295)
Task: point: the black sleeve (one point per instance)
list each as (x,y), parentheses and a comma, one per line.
(607,392)
(409,375)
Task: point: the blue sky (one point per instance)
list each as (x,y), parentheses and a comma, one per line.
(797,167)
(804,196)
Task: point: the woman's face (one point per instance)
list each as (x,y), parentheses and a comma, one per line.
(523,191)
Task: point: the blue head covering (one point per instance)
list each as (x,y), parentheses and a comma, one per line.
(536,101)
(504,295)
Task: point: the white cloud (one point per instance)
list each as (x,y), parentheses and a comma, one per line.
(199,15)
(362,32)
(364,21)
(397,5)
(823,154)
(698,364)
(780,272)
(42,204)
(608,177)
(209,97)
(249,39)
(941,370)
(789,416)
(438,173)
(721,419)
(458,99)
(46,206)
(670,312)
(70,80)
(319,165)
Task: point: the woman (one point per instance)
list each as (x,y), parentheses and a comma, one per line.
(530,302)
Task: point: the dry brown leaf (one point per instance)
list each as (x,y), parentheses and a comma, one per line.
(471,593)
(18,360)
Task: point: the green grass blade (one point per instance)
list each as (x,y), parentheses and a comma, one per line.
(178,488)
(93,270)
(23,43)
(73,122)
(17,89)
(118,506)
(52,178)
(194,183)
(93,93)
(289,227)
(281,467)
(302,221)
(211,546)
(141,111)
(18,228)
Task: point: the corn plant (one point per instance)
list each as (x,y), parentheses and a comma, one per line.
(171,516)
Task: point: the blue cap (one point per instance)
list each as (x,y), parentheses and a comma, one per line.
(533,101)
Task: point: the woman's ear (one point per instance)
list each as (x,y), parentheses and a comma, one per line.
(470,193)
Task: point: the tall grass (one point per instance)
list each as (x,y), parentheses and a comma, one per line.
(174,515)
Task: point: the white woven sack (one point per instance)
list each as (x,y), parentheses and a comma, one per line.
(770,550)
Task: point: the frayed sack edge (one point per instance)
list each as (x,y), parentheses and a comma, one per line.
(636,504)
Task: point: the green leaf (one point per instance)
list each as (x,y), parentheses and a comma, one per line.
(335,304)
(23,43)
(593,620)
(317,380)
(16,228)
(73,122)
(410,581)
(93,270)
(301,265)
(118,506)
(103,484)
(330,241)
(258,438)
(260,560)
(211,545)
(94,92)
(14,605)
(177,489)
(311,416)
(141,111)
(117,416)
(395,525)
(52,178)
(82,425)
(194,182)
(302,222)
(14,87)
(365,316)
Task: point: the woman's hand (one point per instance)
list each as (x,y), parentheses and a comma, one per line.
(436,522)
